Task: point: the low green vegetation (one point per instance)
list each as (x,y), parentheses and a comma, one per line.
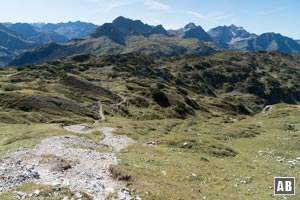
(25,136)
(45,192)
(198,121)
(212,159)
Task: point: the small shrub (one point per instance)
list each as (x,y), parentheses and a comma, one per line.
(139,102)
(191,103)
(82,69)
(160,97)
(10,87)
(129,87)
(160,85)
(118,174)
(206,64)
(220,151)
(80,57)
(290,127)
(20,69)
(63,74)
(182,91)
(204,159)
(181,108)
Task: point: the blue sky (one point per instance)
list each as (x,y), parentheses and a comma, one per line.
(257,16)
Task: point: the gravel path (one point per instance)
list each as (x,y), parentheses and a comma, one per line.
(57,161)
(116,142)
(70,161)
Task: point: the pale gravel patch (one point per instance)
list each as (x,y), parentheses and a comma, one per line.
(89,170)
(117,142)
(78,129)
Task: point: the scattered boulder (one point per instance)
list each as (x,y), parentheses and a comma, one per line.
(21,195)
(267,108)
(55,163)
(36,193)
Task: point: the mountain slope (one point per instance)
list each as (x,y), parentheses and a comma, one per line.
(269,42)
(192,31)
(12,44)
(240,82)
(226,35)
(36,34)
(12,41)
(197,32)
(181,31)
(152,45)
(122,27)
(237,38)
(70,30)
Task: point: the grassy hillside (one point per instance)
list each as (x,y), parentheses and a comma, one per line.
(152,87)
(205,158)
(198,121)
(153,45)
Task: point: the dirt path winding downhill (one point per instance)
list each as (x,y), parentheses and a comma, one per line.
(57,161)
(69,161)
(100,110)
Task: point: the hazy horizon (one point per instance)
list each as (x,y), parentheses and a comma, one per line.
(255,16)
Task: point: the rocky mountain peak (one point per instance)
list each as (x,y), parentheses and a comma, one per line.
(190,26)
(198,33)
(123,27)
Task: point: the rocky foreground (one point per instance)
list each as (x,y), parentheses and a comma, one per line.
(68,161)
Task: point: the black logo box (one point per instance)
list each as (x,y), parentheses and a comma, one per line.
(284,185)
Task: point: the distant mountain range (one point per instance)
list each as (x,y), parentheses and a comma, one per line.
(11,41)
(70,30)
(121,36)
(12,44)
(35,34)
(19,37)
(124,35)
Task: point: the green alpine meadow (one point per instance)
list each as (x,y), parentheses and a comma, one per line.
(127,110)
